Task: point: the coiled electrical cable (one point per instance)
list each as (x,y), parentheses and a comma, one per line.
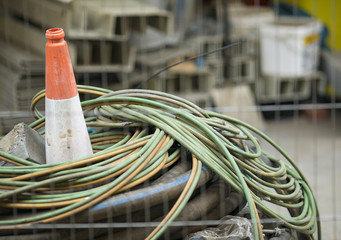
(138,133)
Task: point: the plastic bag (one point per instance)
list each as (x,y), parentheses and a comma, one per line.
(232,227)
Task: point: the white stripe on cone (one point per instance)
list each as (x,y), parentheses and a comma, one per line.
(66,135)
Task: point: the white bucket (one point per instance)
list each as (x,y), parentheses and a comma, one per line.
(290,47)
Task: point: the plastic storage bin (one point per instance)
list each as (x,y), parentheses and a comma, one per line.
(290,46)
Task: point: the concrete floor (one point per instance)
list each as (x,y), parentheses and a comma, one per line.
(315,145)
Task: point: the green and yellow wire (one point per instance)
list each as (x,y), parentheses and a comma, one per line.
(134,140)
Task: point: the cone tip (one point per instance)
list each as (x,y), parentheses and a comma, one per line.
(54,33)
(60,79)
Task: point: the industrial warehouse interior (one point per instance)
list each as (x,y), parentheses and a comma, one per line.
(170,119)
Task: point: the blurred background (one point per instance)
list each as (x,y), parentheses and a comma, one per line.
(283,78)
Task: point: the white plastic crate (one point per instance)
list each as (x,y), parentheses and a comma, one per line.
(84,19)
(273,89)
(102,56)
(243,69)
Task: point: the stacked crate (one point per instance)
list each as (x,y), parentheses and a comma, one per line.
(97,33)
(285,89)
(214,61)
(21,77)
(244,22)
(289,60)
(193,80)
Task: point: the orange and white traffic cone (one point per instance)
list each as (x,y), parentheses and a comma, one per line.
(66,135)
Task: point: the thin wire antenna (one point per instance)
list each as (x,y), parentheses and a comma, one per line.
(187,60)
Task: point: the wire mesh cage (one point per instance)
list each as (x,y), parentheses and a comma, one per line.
(207,120)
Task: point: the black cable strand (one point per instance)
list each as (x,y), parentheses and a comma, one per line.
(188,59)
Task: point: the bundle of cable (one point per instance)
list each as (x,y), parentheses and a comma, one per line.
(137,136)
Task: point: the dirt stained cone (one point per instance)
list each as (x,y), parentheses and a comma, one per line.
(66,135)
